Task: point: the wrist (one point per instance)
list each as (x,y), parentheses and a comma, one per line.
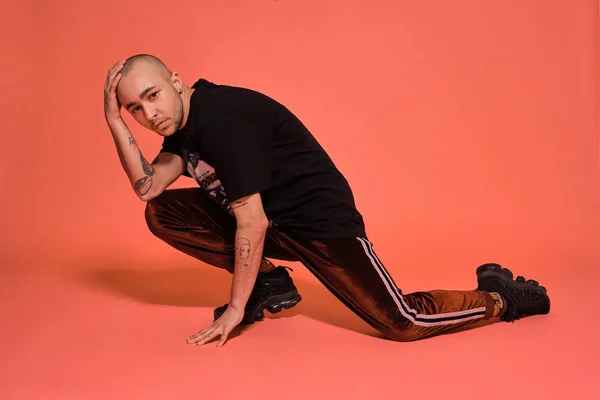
(238,306)
(115,123)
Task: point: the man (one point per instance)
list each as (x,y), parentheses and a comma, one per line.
(267,189)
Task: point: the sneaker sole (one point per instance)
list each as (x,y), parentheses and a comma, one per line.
(273,304)
(279,302)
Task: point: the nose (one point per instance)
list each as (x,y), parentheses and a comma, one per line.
(149,113)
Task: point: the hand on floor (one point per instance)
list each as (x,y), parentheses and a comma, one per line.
(222,326)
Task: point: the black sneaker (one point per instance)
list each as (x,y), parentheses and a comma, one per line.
(273,291)
(523,297)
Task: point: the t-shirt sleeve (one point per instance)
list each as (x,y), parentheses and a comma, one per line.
(240,153)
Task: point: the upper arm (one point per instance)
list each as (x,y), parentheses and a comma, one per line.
(167,168)
(249,210)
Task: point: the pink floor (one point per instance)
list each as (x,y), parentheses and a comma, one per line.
(106,327)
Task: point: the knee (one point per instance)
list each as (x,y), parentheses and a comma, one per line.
(404,333)
(152,215)
(400,336)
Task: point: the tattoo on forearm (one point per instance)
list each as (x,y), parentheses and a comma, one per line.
(237,204)
(243,246)
(132,141)
(148,169)
(143,185)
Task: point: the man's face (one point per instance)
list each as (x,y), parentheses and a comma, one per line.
(151,98)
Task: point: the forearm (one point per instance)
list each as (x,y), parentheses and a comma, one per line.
(137,168)
(249,244)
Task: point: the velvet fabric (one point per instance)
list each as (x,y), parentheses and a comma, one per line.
(190,221)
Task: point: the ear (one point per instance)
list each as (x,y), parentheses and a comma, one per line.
(177,83)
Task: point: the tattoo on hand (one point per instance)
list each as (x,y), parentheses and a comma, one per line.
(243,226)
(243,250)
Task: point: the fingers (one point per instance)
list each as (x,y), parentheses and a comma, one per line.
(112,74)
(208,337)
(223,339)
(117,65)
(115,82)
(209,334)
(204,336)
(201,335)
(114,77)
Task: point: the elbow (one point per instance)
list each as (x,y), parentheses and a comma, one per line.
(250,214)
(262,223)
(147,188)
(148,195)
(258,223)
(145,197)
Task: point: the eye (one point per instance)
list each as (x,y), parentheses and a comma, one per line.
(135,109)
(154,95)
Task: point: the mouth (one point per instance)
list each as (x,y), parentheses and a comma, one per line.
(160,124)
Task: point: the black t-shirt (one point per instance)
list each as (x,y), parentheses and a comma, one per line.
(238,141)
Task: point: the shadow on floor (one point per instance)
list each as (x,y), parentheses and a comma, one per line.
(204,286)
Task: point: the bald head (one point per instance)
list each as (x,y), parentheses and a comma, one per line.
(148,59)
(152,94)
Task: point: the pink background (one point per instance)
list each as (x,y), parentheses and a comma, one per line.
(469,131)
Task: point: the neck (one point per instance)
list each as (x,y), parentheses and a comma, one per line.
(186,96)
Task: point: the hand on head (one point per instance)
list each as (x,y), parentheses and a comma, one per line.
(112,107)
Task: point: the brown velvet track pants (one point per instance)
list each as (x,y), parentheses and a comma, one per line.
(193,223)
